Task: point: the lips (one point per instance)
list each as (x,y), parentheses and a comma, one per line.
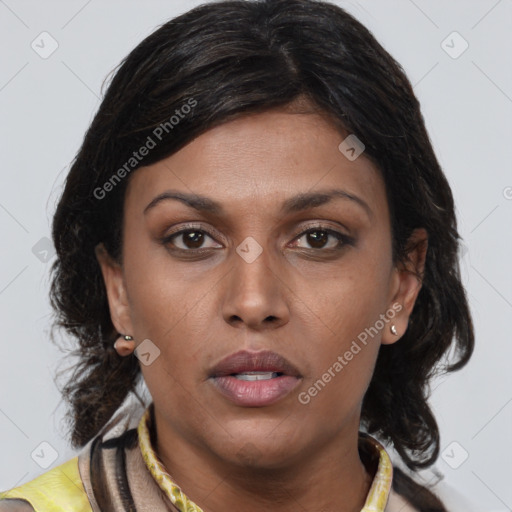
(263,361)
(254,379)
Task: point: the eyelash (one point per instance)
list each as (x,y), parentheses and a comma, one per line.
(342,238)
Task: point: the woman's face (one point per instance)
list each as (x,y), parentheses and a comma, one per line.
(265,262)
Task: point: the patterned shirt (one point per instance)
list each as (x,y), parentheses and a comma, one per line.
(109,475)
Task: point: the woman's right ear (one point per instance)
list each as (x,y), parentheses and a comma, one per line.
(116,290)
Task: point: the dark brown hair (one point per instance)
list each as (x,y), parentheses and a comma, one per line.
(230,59)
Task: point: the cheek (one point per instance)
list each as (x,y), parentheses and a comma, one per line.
(348,298)
(163,297)
(171,311)
(343,353)
(175,397)
(344,337)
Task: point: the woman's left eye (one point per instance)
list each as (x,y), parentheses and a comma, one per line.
(318,237)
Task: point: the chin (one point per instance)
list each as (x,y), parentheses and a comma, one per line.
(263,452)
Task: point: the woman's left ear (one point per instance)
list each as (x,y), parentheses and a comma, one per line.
(406,285)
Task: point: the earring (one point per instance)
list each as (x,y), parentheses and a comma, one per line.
(393,330)
(127,345)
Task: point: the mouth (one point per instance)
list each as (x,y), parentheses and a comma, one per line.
(254,379)
(254,366)
(253,376)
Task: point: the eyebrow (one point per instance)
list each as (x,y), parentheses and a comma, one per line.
(299,202)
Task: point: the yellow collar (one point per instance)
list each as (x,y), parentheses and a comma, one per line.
(375,502)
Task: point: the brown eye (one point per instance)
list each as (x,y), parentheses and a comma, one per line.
(317,239)
(189,240)
(322,238)
(193,239)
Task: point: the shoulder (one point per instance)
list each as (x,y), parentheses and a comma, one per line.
(53,491)
(15,505)
(397,503)
(415,491)
(453,500)
(67,488)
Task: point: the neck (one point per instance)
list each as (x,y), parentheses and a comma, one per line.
(331,476)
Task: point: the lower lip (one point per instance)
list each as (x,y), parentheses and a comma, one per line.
(257,393)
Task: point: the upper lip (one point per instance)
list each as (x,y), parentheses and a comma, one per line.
(246,361)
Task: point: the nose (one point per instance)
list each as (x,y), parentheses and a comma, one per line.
(255,294)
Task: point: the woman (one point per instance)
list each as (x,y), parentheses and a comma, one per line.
(256,225)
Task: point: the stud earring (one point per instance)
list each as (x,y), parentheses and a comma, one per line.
(127,345)
(393,330)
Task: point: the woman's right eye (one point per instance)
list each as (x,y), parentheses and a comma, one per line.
(188,240)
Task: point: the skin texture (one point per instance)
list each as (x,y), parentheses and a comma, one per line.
(299,297)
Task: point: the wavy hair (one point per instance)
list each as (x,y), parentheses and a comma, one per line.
(234,58)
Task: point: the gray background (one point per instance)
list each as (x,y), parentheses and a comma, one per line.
(46,104)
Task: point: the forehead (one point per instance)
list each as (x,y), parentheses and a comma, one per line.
(260,160)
